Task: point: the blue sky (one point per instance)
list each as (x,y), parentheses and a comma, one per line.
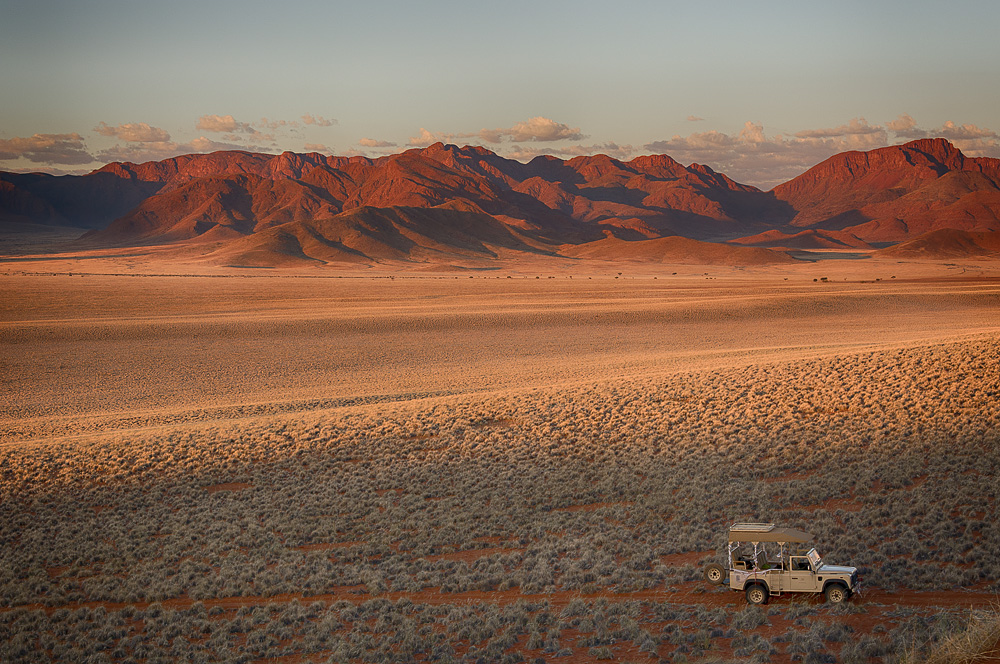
(761,91)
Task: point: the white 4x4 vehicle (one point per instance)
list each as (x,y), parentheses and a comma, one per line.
(760,573)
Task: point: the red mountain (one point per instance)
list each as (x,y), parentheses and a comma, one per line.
(446,200)
(893,193)
(547,201)
(218,207)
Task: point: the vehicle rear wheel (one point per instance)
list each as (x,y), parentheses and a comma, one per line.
(714,574)
(836,593)
(757,594)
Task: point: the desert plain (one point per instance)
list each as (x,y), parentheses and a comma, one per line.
(530,462)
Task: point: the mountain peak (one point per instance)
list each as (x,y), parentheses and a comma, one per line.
(940,148)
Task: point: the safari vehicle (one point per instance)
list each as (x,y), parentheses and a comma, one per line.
(763,563)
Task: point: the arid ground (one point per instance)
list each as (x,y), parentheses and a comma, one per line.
(504,465)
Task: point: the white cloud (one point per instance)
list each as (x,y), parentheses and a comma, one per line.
(351,152)
(973,141)
(752,133)
(537,129)
(753,157)
(694,118)
(373,143)
(954,132)
(47,149)
(903,125)
(318,120)
(275,124)
(611,149)
(425,138)
(202,144)
(543,129)
(141,152)
(133,132)
(317,147)
(856,127)
(224,124)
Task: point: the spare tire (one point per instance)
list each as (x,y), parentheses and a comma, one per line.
(715,574)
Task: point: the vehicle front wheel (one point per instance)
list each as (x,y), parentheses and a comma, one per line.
(757,594)
(836,593)
(714,574)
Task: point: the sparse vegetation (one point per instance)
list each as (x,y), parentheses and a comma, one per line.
(558,513)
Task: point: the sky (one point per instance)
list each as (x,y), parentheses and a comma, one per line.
(761,91)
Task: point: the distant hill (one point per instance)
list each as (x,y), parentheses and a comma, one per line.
(947,243)
(809,239)
(675,250)
(446,202)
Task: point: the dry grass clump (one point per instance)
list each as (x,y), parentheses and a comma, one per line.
(956,641)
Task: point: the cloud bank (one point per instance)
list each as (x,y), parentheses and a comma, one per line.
(140,152)
(134,132)
(748,155)
(537,129)
(47,149)
(374,143)
(224,124)
(753,157)
(318,120)
(611,149)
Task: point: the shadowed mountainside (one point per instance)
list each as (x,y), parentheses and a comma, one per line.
(445,202)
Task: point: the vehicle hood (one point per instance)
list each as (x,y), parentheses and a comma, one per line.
(836,569)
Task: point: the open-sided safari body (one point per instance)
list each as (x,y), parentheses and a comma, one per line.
(762,562)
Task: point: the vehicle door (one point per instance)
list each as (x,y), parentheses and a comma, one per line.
(801,577)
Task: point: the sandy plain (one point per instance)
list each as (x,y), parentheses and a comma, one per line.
(565,445)
(85,349)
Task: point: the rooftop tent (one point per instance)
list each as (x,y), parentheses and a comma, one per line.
(766,532)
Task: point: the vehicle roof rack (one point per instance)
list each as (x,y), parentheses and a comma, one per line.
(753,527)
(766,532)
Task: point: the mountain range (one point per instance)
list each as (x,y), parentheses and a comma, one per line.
(450,204)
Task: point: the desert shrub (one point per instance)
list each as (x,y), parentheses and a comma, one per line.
(601,653)
(749,618)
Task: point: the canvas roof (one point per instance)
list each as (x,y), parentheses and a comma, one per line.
(770,533)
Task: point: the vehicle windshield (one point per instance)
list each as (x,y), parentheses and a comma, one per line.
(814,558)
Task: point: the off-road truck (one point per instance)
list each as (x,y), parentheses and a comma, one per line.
(762,562)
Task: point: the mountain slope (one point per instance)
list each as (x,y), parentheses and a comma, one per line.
(808,239)
(369,234)
(893,193)
(946,243)
(674,250)
(222,206)
(446,202)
